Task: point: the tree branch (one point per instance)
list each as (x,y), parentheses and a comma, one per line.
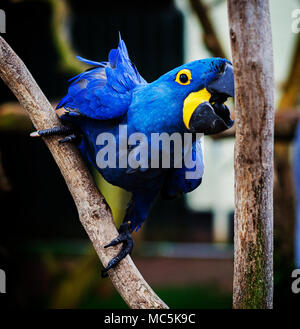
(94,213)
(251,44)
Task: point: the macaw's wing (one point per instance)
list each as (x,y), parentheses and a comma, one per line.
(104,91)
(187,178)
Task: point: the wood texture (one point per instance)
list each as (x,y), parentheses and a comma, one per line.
(251,43)
(93,211)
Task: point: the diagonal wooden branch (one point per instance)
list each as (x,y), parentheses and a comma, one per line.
(94,212)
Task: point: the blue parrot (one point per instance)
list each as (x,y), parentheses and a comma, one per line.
(188,99)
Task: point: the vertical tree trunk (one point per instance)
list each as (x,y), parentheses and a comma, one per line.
(251,43)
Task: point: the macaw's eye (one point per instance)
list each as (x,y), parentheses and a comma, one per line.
(184,77)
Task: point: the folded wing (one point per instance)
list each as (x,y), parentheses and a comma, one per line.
(104,91)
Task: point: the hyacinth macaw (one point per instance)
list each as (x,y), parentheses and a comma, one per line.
(188,99)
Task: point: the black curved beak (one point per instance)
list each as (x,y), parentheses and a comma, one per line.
(210,119)
(213,117)
(224,84)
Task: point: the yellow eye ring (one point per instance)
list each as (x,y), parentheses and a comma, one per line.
(184,77)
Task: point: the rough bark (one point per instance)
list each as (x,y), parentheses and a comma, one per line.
(251,43)
(93,211)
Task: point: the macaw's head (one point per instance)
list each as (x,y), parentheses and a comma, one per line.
(199,90)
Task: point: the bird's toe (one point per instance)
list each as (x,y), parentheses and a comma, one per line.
(125,238)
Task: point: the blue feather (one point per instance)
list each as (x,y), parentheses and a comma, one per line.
(87,61)
(104,92)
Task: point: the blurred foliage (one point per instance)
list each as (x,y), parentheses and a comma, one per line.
(14,118)
(67,58)
(86,271)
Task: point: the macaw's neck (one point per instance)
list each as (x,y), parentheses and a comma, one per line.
(156,108)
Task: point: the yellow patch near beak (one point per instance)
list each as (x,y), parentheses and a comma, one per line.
(192,102)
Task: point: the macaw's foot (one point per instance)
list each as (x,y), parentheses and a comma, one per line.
(52,131)
(125,238)
(69,138)
(72,134)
